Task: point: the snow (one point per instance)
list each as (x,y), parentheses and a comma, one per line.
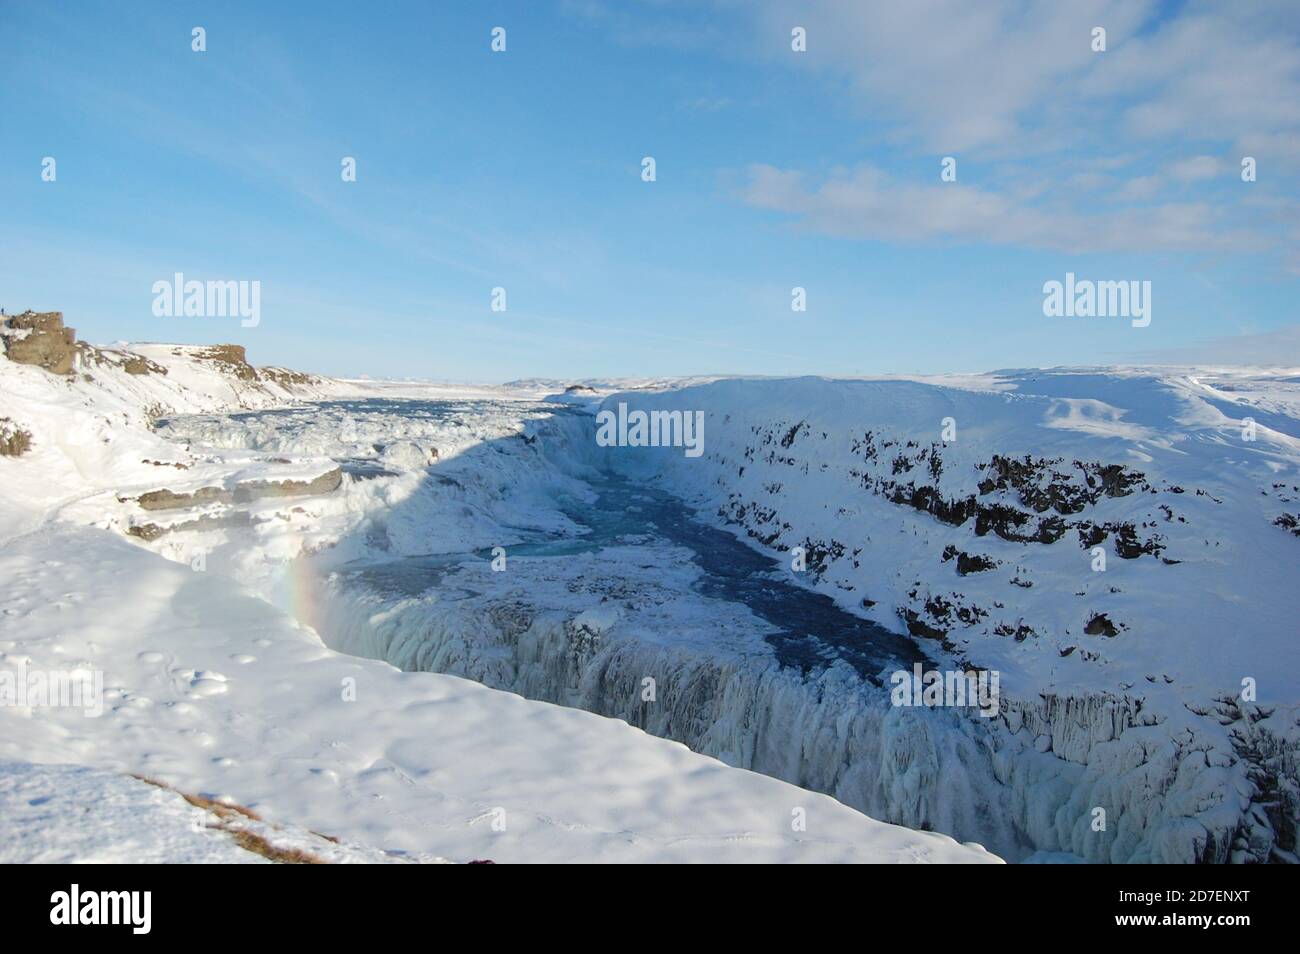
(1227,547)
(1151,723)
(1148,725)
(212,690)
(70,814)
(228,680)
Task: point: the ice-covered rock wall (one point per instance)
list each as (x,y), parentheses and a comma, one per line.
(830,731)
(1107,541)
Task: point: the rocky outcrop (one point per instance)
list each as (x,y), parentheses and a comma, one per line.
(1043,486)
(205,523)
(138,364)
(244,492)
(170,500)
(1100,625)
(40,339)
(226,514)
(285,377)
(326,483)
(233,360)
(14,441)
(966,563)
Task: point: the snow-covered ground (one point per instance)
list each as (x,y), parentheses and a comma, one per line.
(1108,541)
(1118,545)
(140,569)
(61,814)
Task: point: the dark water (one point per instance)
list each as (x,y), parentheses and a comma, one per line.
(808,631)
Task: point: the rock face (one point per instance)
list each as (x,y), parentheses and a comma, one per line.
(39,338)
(285,377)
(245,492)
(136,364)
(14,441)
(233,359)
(170,500)
(326,483)
(207,522)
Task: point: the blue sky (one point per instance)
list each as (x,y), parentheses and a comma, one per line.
(775,169)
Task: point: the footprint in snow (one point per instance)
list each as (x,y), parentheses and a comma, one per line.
(200,683)
(207,683)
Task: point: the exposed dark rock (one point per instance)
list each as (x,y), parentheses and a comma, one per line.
(41,340)
(1041,486)
(1100,625)
(1020,631)
(286,378)
(818,553)
(966,563)
(152,531)
(1091,535)
(170,500)
(791,434)
(14,441)
(919,627)
(232,359)
(327,482)
(245,492)
(139,364)
(1128,546)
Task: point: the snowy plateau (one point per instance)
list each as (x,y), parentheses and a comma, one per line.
(360,621)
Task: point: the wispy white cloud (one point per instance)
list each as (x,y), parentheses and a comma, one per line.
(1197,168)
(954,75)
(1133,149)
(1280,348)
(867,203)
(1012,75)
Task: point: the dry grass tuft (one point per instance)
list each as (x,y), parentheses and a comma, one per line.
(230,819)
(285,856)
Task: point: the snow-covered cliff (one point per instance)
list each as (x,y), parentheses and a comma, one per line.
(1117,544)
